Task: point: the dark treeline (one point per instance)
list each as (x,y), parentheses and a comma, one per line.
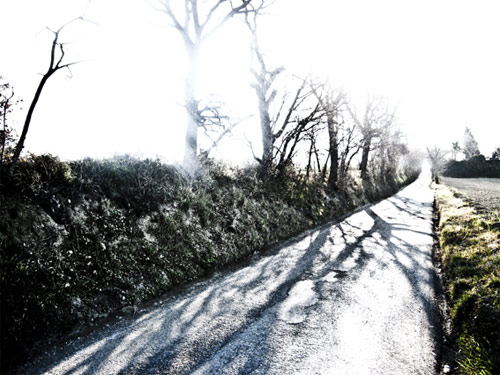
(477,166)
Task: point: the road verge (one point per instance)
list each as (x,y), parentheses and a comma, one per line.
(469,251)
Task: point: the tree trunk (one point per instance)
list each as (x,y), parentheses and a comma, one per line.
(308,168)
(191,162)
(22,139)
(318,163)
(364,158)
(323,171)
(334,152)
(267,134)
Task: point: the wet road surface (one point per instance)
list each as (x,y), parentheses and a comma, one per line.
(356,297)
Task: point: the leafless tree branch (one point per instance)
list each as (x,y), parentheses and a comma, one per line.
(54,66)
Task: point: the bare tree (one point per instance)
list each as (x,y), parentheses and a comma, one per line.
(284,123)
(216,123)
(264,88)
(57,55)
(330,102)
(375,119)
(287,116)
(196,21)
(437,157)
(392,149)
(350,143)
(294,131)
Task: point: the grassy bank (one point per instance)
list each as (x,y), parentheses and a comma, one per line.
(470,255)
(83,240)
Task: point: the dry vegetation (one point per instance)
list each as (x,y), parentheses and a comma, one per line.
(484,192)
(470,254)
(83,240)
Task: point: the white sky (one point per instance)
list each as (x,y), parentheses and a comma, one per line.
(437,61)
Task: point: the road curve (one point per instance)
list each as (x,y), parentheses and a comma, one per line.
(356,297)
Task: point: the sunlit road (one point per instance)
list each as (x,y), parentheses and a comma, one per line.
(356,297)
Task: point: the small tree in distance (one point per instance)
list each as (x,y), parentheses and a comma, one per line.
(438,161)
(496,154)
(455,149)
(376,119)
(471,147)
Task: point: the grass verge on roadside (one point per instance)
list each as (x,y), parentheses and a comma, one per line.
(470,255)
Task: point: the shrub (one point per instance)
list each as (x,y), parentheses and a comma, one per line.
(477,166)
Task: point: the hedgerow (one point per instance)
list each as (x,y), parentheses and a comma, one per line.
(82,240)
(476,166)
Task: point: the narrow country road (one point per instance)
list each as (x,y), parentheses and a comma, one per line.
(355,297)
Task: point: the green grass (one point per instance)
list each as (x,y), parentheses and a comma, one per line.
(470,254)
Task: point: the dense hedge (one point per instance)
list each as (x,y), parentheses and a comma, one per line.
(79,241)
(477,166)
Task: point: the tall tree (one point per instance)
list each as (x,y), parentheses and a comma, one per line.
(292,132)
(263,85)
(350,143)
(437,157)
(471,147)
(392,149)
(330,102)
(57,55)
(287,117)
(455,149)
(196,21)
(376,118)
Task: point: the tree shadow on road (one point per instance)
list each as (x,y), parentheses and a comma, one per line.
(212,317)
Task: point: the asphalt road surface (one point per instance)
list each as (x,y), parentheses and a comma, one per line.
(356,297)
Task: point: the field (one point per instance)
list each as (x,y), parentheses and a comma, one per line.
(484,192)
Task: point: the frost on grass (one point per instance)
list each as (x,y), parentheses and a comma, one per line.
(470,254)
